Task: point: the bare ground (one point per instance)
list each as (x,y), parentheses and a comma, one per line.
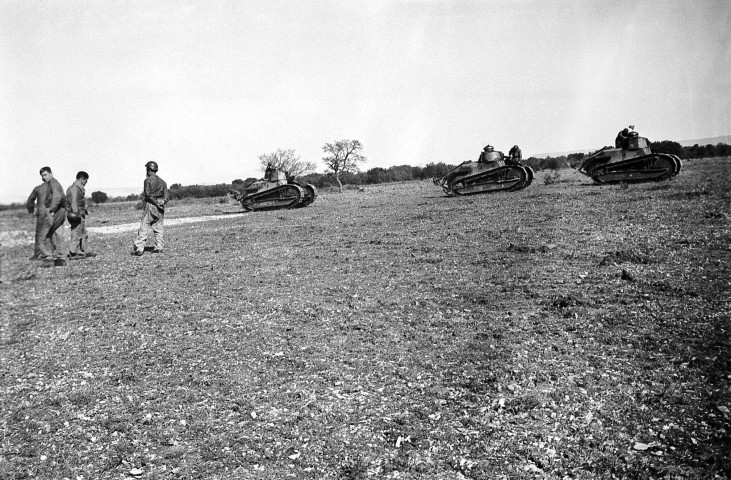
(564,331)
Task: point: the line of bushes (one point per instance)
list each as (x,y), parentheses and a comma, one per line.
(404,173)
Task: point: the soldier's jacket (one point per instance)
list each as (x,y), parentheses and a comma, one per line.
(75,199)
(155,189)
(37,198)
(55,198)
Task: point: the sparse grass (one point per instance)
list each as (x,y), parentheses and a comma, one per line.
(393,333)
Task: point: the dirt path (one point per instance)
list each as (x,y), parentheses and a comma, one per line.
(131,227)
(23,237)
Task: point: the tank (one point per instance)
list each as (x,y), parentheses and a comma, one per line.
(495,173)
(275,191)
(632,162)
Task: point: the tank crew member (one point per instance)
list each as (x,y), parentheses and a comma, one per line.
(53,243)
(485,154)
(76,214)
(621,139)
(269,172)
(515,155)
(36,205)
(155,195)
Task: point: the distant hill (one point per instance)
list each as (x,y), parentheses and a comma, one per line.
(707,141)
(686,143)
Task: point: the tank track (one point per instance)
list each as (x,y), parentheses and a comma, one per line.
(283,196)
(509,178)
(653,167)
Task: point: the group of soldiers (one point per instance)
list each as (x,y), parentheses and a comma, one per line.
(52,207)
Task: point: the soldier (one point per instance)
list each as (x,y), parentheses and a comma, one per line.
(53,243)
(622,137)
(515,155)
(155,195)
(76,214)
(36,205)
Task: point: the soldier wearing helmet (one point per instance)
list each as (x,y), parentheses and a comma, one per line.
(515,155)
(154,195)
(621,139)
(76,215)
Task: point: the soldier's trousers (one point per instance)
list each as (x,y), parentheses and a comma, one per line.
(150,222)
(79,236)
(53,243)
(40,239)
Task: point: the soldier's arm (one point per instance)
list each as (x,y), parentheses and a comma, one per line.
(73,199)
(31,203)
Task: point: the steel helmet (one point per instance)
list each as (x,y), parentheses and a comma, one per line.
(73,217)
(151,165)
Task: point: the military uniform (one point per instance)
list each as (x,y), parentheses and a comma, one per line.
(515,153)
(75,204)
(36,204)
(52,232)
(155,195)
(621,139)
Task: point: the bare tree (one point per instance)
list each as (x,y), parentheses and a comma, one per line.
(288,161)
(344,156)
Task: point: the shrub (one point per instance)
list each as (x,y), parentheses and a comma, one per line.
(553,176)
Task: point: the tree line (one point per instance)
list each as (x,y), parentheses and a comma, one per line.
(343,157)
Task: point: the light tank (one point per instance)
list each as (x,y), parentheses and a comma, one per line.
(275,191)
(633,161)
(493,173)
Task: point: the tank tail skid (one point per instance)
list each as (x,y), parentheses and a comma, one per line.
(508,178)
(645,168)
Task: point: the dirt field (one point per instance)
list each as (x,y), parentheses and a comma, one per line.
(564,331)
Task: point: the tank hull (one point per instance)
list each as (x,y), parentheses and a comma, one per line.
(283,196)
(266,195)
(474,178)
(632,164)
(645,168)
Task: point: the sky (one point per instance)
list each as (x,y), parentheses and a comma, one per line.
(205,87)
